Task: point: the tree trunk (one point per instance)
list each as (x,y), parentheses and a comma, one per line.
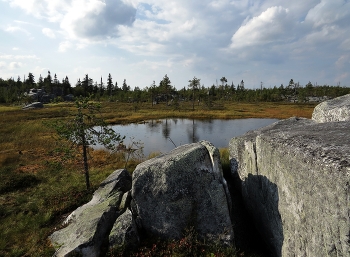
(86,165)
(193,100)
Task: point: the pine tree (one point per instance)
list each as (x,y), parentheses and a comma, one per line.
(86,129)
(110,85)
(165,85)
(48,82)
(30,81)
(194,85)
(125,87)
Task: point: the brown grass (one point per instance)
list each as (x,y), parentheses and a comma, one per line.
(40,185)
(117,113)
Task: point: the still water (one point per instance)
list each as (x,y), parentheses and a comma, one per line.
(163,135)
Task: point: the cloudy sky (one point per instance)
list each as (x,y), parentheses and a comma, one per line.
(269,41)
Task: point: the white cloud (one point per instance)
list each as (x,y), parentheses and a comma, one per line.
(11,65)
(81,19)
(342,60)
(324,35)
(43,9)
(188,37)
(146,38)
(48,32)
(15,48)
(2,65)
(13,29)
(15,65)
(328,12)
(188,25)
(219,4)
(81,46)
(18,57)
(64,46)
(272,25)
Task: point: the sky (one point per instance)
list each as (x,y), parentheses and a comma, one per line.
(262,42)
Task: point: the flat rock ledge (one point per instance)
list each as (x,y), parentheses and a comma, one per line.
(295,178)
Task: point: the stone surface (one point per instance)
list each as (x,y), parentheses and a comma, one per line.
(124,233)
(295,177)
(33,106)
(182,189)
(125,202)
(337,109)
(88,227)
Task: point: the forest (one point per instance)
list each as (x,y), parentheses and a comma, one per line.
(50,89)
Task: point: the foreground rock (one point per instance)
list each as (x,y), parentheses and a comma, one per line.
(183,189)
(337,109)
(295,177)
(124,233)
(87,228)
(170,193)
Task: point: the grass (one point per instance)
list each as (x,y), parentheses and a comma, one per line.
(230,110)
(39,186)
(188,245)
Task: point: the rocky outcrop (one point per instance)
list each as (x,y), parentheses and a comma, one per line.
(124,233)
(183,189)
(170,193)
(87,228)
(337,109)
(295,178)
(34,105)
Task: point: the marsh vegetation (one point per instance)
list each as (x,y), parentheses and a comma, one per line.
(40,185)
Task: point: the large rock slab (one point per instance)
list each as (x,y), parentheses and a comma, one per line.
(295,177)
(337,109)
(182,189)
(88,227)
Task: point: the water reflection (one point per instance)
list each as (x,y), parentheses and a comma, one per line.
(163,135)
(192,132)
(166,128)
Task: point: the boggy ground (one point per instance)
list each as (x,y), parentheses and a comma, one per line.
(40,185)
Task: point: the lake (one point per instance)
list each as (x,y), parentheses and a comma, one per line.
(163,135)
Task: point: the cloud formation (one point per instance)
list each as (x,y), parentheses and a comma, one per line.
(81,19)
(327,12)
(15,65)
(48,32)
(265,40)
(272,25)
(64,46)
(15,29)
(18,57)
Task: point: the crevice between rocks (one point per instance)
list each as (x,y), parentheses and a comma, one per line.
(246,236)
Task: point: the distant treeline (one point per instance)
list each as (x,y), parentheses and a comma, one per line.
(52,89)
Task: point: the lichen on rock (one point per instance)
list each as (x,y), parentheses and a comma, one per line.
(184,188)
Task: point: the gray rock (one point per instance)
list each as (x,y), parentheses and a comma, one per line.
(124,233)
(88,227)
(182,189)
(337,109)
(295,177)
(34,105)
(125,202)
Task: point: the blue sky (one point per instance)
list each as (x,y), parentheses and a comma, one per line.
(269,41)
